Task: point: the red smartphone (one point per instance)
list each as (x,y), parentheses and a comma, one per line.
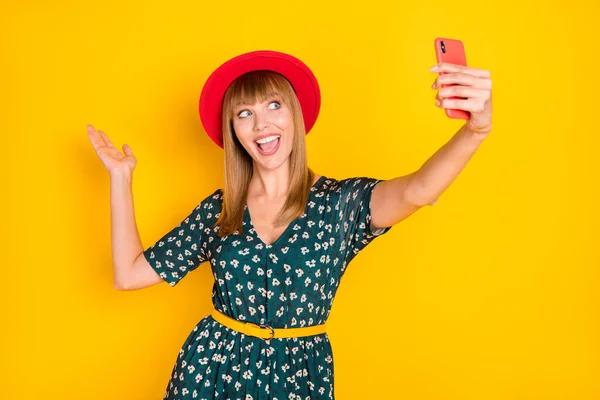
(451,51)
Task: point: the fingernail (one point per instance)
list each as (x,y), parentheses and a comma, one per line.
(434,68)
(437,103)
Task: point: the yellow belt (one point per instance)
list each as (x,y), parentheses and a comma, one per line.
(265,331)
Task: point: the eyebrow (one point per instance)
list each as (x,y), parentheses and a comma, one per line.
(268,96)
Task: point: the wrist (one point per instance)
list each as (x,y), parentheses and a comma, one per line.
(121,175)
(477,133)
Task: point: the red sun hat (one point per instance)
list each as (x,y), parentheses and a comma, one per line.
(295,71)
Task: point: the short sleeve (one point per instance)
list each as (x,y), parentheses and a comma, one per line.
(181,250)
(354,214)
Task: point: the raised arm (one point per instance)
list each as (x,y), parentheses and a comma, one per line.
(130,268)
(396,199)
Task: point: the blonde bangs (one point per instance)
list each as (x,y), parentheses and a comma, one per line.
(256,87)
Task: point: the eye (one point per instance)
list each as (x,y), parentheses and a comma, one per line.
(240,114)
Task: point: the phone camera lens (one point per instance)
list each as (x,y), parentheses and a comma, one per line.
(443,47)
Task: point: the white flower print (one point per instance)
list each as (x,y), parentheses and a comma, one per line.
(291,283)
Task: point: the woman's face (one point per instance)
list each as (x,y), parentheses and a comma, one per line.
(266,131)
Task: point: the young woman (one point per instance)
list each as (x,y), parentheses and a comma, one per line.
(278,236)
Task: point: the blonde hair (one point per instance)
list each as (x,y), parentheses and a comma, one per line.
(252,87)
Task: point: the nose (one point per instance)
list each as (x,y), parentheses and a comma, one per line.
(260,121)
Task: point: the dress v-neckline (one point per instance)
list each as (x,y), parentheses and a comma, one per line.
(248,217)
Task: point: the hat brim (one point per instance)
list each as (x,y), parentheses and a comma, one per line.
(297,73)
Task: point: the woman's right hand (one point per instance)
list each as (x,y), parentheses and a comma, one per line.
(111,157)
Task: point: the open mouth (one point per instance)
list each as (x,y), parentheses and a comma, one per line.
(268,145)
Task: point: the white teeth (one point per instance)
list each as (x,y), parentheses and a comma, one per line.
(267,139)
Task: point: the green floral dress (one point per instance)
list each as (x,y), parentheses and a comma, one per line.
(288,284)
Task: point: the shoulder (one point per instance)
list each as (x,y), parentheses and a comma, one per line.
(211,204)
(353,184)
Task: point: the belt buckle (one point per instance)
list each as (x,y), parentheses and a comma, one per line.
(268,327)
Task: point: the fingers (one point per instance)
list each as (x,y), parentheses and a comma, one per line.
(96,140)
(106,139)
(471,105)
(463,98)
(461,91)
(127,150)
(461,79)
(448,67)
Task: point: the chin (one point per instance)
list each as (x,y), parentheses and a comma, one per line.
(272,162)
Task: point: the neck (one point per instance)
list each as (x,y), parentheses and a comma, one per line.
(270,184)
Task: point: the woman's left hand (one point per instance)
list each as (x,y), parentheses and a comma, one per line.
(474,85)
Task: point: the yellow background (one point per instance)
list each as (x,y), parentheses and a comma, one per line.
(490,294)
